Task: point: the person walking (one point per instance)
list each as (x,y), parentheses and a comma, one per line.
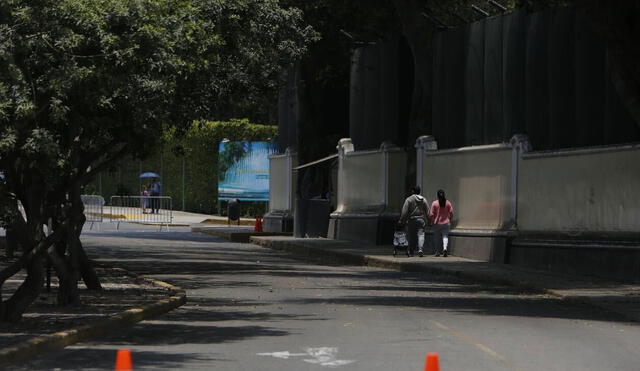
(415,212)
(155,190)
(441,215)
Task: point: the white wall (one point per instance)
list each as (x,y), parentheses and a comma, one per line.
(477,180)
(281,182)
(594,190)
(370,181)
(360,182)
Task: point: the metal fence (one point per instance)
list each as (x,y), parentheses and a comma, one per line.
(156,210)
(93,209)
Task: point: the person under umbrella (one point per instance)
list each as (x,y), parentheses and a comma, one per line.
(155,190)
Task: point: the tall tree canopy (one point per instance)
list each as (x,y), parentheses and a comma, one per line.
(85,82)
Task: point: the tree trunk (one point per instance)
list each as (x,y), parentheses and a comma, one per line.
(67,279)
(87,272)
(11,244)
(13,309)
(80,261)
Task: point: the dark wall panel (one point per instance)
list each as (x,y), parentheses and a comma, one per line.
(439,98)
(618,126)
(356,95)
(590,78)
(513,81)
(494,125)
(375,96)
(560,63)
(474,84)
(371,66)
(537,79)
(542,74)
(388,92)
(454,89)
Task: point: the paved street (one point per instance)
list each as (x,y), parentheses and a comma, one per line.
(251,308)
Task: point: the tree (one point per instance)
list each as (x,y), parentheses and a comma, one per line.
(84,83)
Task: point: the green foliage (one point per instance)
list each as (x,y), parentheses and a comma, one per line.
(84,83)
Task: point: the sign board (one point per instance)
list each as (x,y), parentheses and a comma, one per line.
(243,170)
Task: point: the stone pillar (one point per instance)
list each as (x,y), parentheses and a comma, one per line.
(520,144)
(424,143)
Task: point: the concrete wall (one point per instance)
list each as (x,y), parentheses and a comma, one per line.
(590,190)
(370,193)
(360,182)
(281,182)
(580,191)
(574,211)
(282,190)
(371,181)
(478,182)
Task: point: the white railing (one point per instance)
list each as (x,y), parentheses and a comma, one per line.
(156,210)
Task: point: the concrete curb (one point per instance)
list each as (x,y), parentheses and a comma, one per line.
(235,235)
(44,343)
(303,251)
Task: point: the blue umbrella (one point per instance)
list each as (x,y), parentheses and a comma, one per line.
(149,175)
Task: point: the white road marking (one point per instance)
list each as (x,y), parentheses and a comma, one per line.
(283,355)
(323,356)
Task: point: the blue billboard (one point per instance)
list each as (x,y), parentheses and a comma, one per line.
(243,170)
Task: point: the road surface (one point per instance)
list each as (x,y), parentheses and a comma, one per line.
(251,308)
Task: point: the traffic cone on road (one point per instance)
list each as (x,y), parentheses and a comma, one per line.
(123,360)
(258,225)
(432,363)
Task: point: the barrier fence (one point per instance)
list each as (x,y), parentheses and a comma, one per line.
(93,209)
(141,209)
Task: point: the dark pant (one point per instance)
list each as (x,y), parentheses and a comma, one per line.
(413,226)
(155,203)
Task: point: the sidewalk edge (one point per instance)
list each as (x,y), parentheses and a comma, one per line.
(61,339)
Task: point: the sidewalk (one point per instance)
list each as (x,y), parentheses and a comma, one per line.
(125,299)
(620,298)
(183,218)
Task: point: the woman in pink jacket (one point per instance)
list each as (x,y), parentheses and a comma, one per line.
(441,215)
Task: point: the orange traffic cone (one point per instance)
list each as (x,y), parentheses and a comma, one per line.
(258,225)
(432,362)
(123,360)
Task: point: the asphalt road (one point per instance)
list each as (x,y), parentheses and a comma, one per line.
(254,309)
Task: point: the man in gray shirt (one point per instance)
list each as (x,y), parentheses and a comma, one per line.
(415,214)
